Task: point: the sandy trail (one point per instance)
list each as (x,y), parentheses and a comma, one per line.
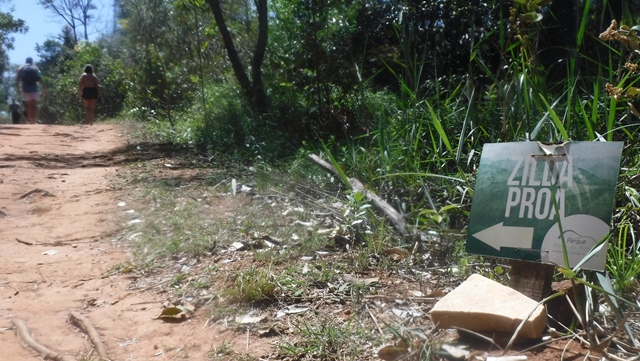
(60,234)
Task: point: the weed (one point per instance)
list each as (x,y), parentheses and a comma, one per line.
(178,221)
(125,267)
(327,339)
(324,272)
(179,279)
(225,352)
(86,358)
(220,311)
(419,153)
(624,261)
(253,285)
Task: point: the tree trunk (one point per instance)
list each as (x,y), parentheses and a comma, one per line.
(75,34)
(253,89)
(238,68)
(259,95)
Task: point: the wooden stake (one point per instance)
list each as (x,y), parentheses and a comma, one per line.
(531,279)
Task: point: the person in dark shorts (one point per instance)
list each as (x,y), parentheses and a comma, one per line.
(27,81)
(14,108)
(89,90)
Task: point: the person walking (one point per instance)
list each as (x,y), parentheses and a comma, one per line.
(89,90)
(30,76)
(24,108)
(14,109)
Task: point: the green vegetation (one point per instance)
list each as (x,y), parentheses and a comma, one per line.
(326,339)
(400,95)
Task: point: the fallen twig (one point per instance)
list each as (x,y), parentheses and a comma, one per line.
(375,320)
(23,334)
(86,239)
(82,323)
(142,290)
(420,299)
(547,343)
(479,335)
(36,190)
(24,242)
(398,221)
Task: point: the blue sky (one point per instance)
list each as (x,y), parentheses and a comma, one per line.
(44,25)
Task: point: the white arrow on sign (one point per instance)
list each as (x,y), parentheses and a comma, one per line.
(501,235)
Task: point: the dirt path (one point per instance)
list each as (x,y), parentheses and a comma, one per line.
(59,237)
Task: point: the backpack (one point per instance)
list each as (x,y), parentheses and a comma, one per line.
(30,74)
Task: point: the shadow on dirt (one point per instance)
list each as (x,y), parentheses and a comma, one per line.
(130,153)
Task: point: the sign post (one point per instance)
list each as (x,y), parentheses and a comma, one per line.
(529,197)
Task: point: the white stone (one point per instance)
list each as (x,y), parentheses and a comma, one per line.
(482,305)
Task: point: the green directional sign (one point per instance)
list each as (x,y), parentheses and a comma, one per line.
(527,193)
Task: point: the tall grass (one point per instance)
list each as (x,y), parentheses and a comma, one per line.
(422,152)
(419,145)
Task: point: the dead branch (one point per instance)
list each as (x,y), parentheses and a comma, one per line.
(396,219)
(85,239)
(141,290)
(85,325)
(24,242)
(36,190)
(23,334)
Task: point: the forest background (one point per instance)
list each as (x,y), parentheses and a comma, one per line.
(400,94)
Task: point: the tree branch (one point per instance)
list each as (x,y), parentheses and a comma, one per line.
(396,219)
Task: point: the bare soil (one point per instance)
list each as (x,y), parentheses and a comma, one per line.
(62,236)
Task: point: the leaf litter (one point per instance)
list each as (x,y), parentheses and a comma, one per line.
(392,284)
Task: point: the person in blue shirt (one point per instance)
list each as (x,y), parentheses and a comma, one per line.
(30,76)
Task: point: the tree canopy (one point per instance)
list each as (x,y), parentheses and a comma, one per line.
(75,13)
(306,68)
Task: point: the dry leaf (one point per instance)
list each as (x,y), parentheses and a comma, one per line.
(411,312)
(247,319)
(402,344)
(269,332)
(172,312)
(292,309)
(396,254)
(238,246)
(457,352)
(391,353)
(436,293)
(188,308)
(354,279)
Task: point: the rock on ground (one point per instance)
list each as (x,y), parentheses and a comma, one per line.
(482,305)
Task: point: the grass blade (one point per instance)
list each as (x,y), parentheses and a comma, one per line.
(439,128)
